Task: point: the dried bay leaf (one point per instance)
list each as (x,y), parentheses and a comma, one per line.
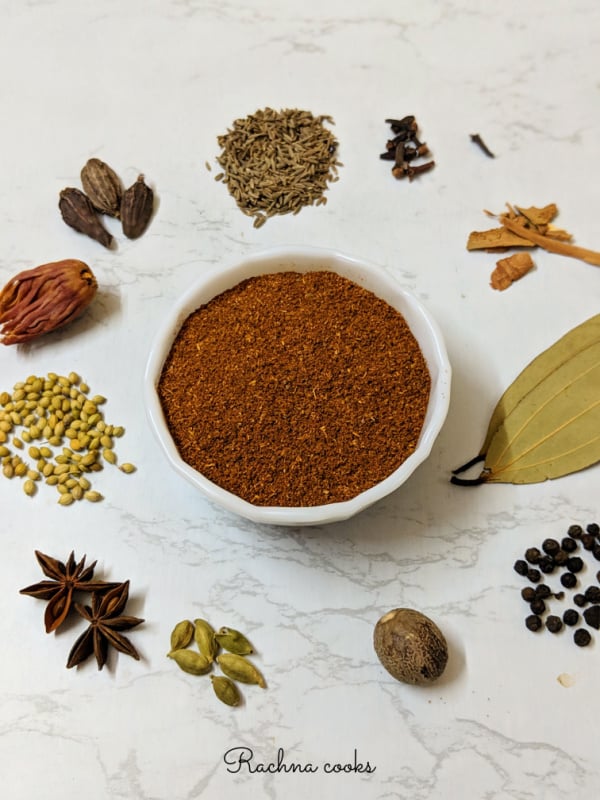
(550,360)
(547,423)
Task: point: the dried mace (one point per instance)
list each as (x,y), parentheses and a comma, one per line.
(42,299)
(136,208)
(78,212)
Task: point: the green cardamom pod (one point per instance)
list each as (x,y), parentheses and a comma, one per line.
(226,690)
(234,641)
(240,669)
(205,639)
(190,661)
(182,635)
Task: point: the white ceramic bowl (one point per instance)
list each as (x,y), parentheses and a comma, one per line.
(303,259)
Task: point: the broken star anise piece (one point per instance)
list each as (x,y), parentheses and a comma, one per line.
(104,628)
(65,578)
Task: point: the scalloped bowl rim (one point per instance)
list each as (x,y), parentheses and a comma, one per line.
(302,259)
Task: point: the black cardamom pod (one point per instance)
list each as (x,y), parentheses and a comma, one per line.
(78,212)
(103,186)
(136,208)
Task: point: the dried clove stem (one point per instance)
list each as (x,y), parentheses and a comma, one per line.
(476,138)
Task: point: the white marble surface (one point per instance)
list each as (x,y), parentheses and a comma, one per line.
(148,86)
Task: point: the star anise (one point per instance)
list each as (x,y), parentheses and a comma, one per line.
(65,579)
(105,624)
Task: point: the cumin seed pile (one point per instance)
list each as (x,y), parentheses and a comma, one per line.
(276,162)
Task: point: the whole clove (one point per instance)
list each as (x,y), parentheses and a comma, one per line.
(78,212)
(405,148)
(408,123)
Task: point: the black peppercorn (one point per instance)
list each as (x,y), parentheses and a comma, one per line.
(592,594)
(598,576)
(520,567)
(568,544)
(537,606)
(532,555)
(542,590)
(560,595)
(588,541)
(575,531)
(546,564)
(596,552)
(534,575)
(592,616)
(579,600)
(560,559)
(568,580)
(593,528)
(581,637)
(554,623)
(550,546)
(528,594)
(533,622)
(571,617)
(574,564)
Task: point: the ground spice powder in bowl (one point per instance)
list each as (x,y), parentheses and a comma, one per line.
(295,389)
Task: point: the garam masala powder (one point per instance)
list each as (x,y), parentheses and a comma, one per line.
(295,389)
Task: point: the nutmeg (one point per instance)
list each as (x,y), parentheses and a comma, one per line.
(410,646)
(39,300)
